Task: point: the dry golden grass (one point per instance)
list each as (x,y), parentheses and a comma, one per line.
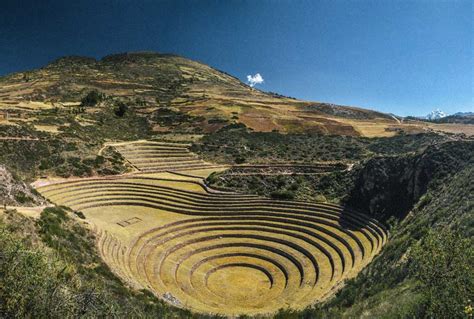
(185,138)
(373,128)
(48,128)
(33,212)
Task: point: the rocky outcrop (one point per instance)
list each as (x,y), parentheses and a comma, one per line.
(16,193)
(390,186)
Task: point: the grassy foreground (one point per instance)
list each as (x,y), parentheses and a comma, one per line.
(50,269)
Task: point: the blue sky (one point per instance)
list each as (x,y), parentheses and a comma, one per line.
(404,57)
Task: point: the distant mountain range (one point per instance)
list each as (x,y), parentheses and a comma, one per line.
(439,116)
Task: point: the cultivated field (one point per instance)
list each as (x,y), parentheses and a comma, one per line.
(213,251)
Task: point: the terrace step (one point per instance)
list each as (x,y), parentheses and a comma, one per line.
(224,252)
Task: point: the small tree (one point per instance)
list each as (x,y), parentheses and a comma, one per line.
(282,194)
(240,160)
(91,99)
(121,109)
(443,264)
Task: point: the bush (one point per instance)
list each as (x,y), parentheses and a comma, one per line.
(285,195)
(320,198)
(39,286)
(120,109)
(91,99)
(240,160)
(22,198)
(50,224)
(443,264)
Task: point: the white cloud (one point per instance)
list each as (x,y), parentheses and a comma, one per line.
(254,79)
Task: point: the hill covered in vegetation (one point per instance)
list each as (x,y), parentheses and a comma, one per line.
(113,168)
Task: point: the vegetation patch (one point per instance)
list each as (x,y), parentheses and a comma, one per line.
(333,186)
(235,142)
(65,278)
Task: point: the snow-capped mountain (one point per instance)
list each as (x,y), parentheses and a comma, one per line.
(436,114)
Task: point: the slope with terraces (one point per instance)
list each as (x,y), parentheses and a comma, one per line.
(213,251)
(151,156)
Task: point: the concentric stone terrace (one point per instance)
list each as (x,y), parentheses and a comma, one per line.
(153,156)
(217,252)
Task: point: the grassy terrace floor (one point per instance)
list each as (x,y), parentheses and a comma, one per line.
(149,156)
(218,252)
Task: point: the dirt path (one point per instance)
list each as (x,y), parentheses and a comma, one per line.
(396,119)
(13,138)
(34,211)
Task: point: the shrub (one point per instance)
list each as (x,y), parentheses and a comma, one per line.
(37,284)
(216,121)
(211,179)
(120,109)
(285,195)
(240,160)
(443,264)
(80,214)
(70,147)
(50,224)
(99,160)
(22,198)
(91,99)
(320,198)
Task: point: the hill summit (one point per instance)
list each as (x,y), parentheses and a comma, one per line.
(176,94)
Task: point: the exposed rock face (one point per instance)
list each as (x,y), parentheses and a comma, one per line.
(16,193)
(390,186)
